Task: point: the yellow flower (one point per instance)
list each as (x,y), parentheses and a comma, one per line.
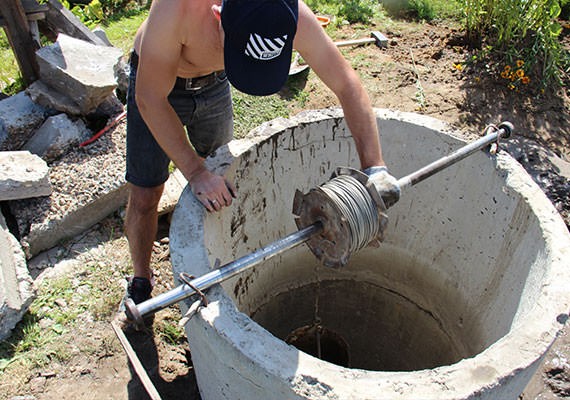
(511,86)
(458,66)
(519,73)
(520,63)
(507,68)
(505,74)
(525,80)
(512,76)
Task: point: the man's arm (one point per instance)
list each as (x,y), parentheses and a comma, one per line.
(319,51)
(158,64)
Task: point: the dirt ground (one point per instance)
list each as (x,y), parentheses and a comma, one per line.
(422,70)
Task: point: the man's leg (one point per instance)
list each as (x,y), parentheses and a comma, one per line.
(141,224)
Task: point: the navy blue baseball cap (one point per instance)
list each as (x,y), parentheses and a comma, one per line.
(258,43)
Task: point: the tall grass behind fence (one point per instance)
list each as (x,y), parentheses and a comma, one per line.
(519,30)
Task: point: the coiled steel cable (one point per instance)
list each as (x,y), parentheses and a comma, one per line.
(357,207)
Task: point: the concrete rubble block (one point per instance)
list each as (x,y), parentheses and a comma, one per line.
(50,232)
(80,70)
(110,107)
(88,184)
(16,286)
(23,175)
(19,117)
(56,136)
(101,34)
(46,96)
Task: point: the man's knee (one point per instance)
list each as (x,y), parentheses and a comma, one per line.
(143,199)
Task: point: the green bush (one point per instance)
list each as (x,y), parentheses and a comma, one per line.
(353,11)
(423,9)
(519,30)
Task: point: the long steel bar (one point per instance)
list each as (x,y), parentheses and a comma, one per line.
(503,131)
(228,270)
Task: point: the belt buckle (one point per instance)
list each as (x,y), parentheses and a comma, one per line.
(189,86)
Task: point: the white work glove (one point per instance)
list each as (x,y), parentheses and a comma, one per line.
(386,185)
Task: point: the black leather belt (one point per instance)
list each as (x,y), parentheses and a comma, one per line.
(197,83)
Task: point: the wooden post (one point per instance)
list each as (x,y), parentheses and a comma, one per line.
(19,35)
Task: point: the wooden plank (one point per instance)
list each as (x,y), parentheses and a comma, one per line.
(135,362)
(24,46)
(60,20)
(34,11)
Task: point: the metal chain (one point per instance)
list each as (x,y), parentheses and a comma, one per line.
(358,208)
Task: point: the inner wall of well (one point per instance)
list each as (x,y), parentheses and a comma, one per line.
(381,328)
(460,266)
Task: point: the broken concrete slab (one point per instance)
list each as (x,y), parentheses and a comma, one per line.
(23,175)
(80,70)
(46,96)
(56,136)
(16,286)
(19,117)
(88,184)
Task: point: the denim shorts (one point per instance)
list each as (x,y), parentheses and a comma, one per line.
(206,112)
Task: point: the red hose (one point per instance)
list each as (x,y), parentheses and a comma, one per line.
(111,124)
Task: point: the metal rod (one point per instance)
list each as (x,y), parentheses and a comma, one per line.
(504,130)
(224,272)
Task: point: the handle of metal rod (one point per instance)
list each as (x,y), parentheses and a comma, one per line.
(136,312)
(504,130)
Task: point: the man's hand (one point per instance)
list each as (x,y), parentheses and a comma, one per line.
(213,191)
(386,185)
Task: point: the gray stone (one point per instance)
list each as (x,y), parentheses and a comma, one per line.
(101,34)
(51,232)
(56,136)
(80,70)
(110,107)
(16,285)
(19,117)
(47,96)
(23,175)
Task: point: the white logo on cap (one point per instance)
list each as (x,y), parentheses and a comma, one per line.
(264,49)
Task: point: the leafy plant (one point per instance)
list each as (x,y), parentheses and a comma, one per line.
(423,9)
(353,11)
(519,29)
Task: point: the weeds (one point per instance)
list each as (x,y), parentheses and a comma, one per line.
(352,11)
(171,333)
(420,94)
(519,29)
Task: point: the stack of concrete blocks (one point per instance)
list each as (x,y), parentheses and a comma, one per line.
(22,175)
(37,127)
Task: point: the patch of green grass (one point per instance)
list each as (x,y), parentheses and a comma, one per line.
(61,304)
(352,11)
(121,28)
(10,77)
(170,332)
(252,111)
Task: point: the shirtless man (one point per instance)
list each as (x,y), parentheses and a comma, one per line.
(178,80)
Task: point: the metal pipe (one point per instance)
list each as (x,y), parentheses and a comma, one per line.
(504,130)
(136,312)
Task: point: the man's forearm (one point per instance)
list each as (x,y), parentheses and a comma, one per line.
(361,121)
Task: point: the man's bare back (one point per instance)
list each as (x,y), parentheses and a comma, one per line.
(198,33)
